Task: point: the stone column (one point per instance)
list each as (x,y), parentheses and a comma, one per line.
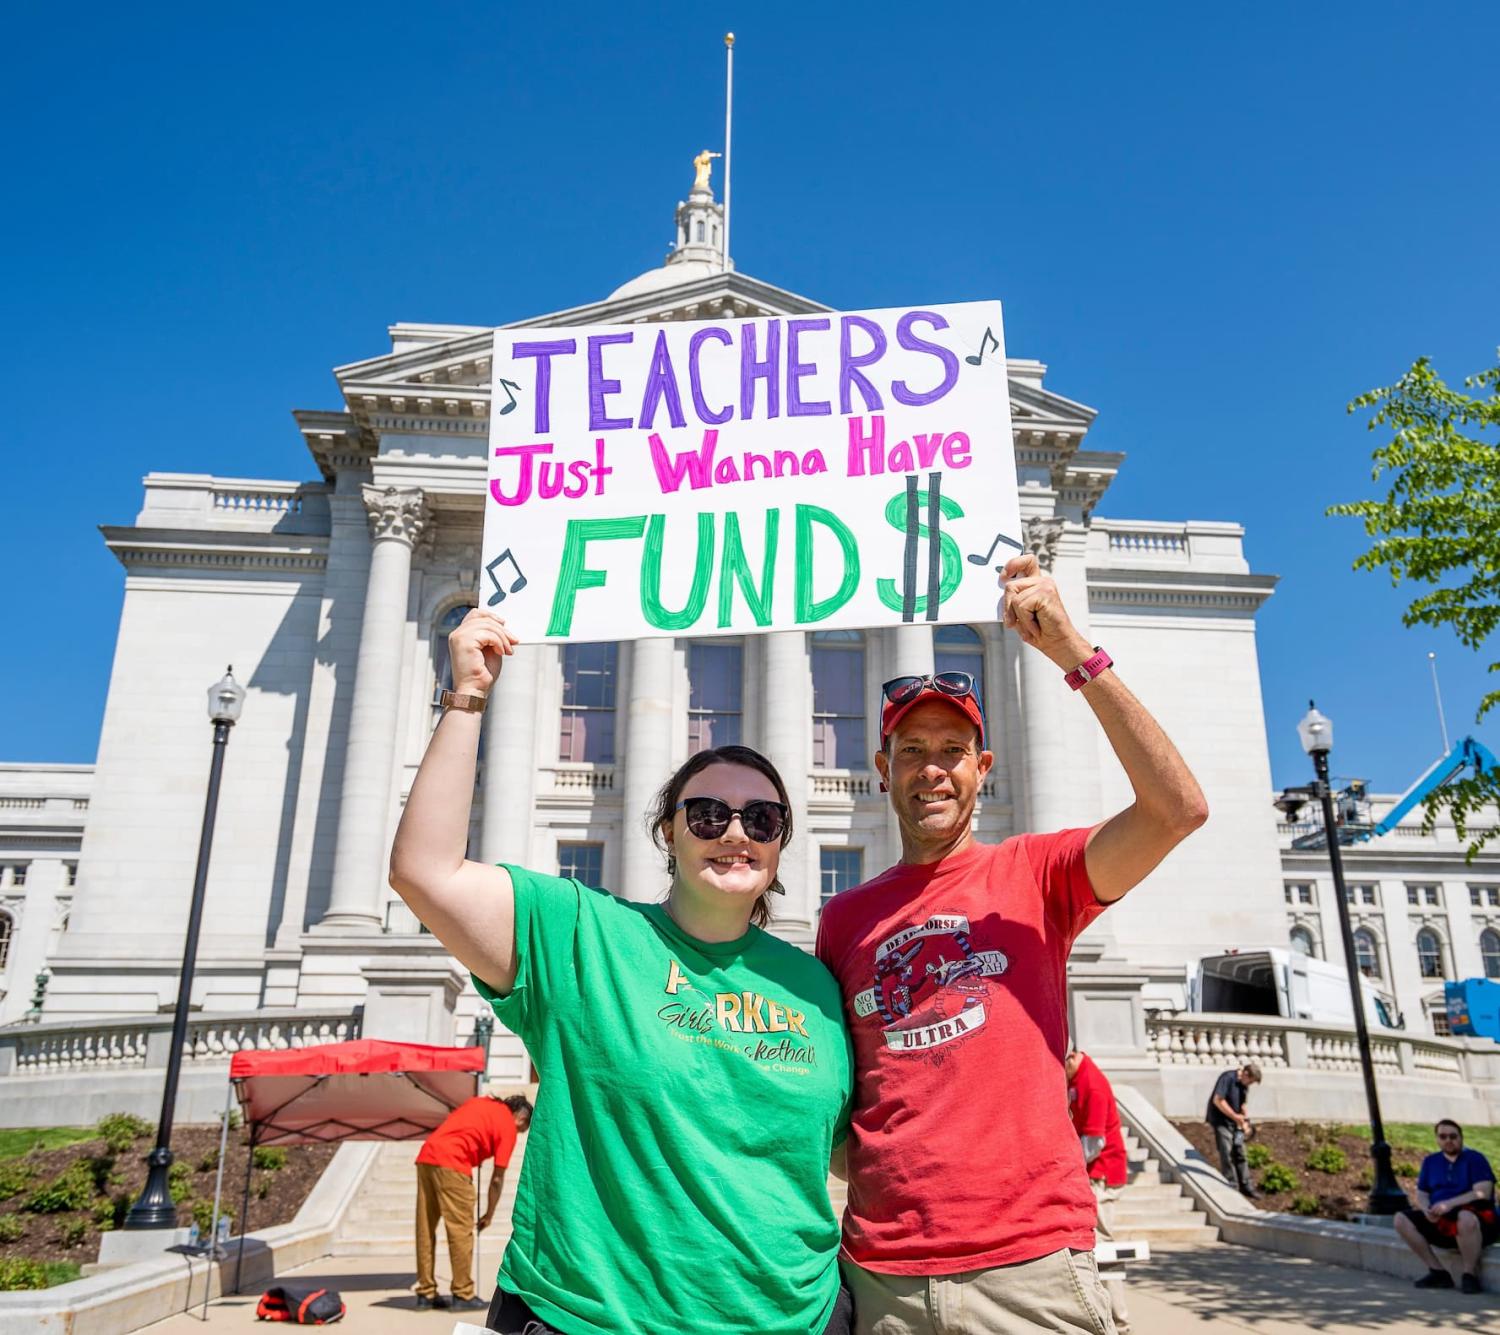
(786,709)
(647,758)
(1043,693)
(398,518)
(508,791)
(908,651)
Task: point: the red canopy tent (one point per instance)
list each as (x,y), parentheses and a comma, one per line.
(367,1089)
(363,1090)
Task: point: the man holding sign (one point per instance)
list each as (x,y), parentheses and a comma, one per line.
(966,1190)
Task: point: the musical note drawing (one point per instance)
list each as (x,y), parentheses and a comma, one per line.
(517,584)
(999,538)
(975,358)
(507,386)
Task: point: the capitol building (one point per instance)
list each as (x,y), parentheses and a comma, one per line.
(332,596)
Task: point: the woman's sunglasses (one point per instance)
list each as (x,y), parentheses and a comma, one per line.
(901,689)
(708,818)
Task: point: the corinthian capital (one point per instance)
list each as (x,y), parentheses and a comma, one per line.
(1042,534)
(396,512)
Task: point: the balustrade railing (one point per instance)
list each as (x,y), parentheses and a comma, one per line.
(1272,1041)
(57,1046)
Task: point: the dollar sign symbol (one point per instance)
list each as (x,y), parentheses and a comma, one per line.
(904,512)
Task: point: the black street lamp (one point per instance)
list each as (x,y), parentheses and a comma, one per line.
(155,1208)
(1316,733)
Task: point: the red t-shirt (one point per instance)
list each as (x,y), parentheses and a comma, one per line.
(478,1129)
(1095,1113)
(961,1153)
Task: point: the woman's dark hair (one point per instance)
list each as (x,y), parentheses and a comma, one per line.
(516,1102)
(665,806)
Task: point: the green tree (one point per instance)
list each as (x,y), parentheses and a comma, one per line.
(1439,524)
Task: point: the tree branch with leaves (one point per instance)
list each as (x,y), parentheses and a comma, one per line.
(1439,524)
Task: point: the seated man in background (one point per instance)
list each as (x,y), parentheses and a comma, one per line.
(481,1128)
(1455,1209)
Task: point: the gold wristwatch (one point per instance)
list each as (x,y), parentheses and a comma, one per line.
(473,704)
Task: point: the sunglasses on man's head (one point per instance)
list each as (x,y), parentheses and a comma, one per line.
(901,689)
(708,818)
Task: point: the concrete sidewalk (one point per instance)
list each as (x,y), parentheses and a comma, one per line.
(1179,1292)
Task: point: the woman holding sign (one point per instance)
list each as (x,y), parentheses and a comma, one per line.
(695,1070)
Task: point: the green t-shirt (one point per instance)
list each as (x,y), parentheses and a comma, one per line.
(676,1170)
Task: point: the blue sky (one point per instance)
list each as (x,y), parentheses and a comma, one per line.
(1215,227)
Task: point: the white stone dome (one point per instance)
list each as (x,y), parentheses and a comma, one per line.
(668,275)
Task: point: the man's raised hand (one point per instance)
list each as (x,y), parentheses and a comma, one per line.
(1032,606)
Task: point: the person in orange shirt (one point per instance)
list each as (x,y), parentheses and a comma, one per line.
(482,1128)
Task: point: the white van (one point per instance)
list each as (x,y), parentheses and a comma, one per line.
(1284,982)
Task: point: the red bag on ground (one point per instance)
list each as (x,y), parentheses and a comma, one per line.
(301,1304)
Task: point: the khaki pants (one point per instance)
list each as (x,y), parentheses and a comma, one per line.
(1060,1292)
(1113,1275)
(447,1194)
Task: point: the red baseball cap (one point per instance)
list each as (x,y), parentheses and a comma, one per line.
(893,713)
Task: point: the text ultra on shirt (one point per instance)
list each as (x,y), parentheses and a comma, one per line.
(676,1172)
(961,1151)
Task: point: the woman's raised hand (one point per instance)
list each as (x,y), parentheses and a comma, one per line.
(476,649)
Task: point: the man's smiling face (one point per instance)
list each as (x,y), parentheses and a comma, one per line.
(933,767)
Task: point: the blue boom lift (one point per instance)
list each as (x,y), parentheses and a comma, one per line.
(1353,806)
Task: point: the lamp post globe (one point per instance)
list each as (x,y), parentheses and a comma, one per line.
(1315,731)
(155,1207)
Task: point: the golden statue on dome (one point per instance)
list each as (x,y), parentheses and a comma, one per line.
(704,162)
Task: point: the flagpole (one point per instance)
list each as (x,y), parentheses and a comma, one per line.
(728,113)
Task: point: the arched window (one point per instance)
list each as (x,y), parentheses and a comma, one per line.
(838,673)
(959,649)
(1430,953)
(1367,953)
(5,926)
(1302,942)
(700,229)
(445,625)
(1489,952)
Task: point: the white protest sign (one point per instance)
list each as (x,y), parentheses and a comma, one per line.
(725,477)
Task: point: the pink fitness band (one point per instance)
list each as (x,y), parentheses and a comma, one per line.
(1090,668)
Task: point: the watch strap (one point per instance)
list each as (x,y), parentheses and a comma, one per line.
(472,704)
(1090,668)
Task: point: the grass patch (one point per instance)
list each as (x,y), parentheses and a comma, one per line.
(1414,1139)
(16,1141)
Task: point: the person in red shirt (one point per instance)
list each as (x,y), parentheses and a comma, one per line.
(1096,1119)
(966,1189)
(481,1128)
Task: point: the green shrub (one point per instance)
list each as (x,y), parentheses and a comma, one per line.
(269,1158)
(1258,1156)
(262,1188)
(207,1163)
(15,1177)
(12,1228)
(103,1213)
(1367,1177)
(1303,1204)
(72,1231)
(1278,1177)
(16,1272)
(1328,1159)
(120,1131)
(1405,1168)
(72,1189)
(203,1216)
(179,1182)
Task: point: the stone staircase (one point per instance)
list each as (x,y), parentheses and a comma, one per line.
(380,1220)
(1151,1210)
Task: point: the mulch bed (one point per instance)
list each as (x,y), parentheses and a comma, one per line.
(117,1179)
(1318,1193)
